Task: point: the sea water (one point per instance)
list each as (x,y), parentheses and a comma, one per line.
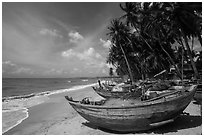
(19,94)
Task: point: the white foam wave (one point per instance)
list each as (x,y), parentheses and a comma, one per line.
(21,103)
(17,103)
(19,97)
(72,88)
(24,110)
(46,93)
(84,80)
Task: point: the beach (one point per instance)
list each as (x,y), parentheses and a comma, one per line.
(56,117)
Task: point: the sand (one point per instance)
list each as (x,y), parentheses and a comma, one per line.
(57,117)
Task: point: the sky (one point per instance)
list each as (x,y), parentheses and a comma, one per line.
(54,40)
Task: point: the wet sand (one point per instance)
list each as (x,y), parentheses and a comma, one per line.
(57,117)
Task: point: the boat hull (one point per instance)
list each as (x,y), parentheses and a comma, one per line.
(198,95)
(135,117)
(110,94)
(116,94)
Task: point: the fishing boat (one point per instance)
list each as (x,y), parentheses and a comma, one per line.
(125,90)
(114,94)
(115,91)
(198,95)
(138,115)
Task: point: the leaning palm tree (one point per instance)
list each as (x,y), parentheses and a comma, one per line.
(185,17)
(119,36)
(177,21)
(139,17)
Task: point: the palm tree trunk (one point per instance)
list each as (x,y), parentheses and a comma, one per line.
(200,40)
(192,43)
(172,61)
(190,56)
(144,39)
(130,73)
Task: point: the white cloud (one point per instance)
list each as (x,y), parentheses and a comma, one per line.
(12,68)
(105,44)
(55,71)
(68,53)
(88,54)
(23,70)
(90,59)
(75,70)
(50,32)
(75,36)
(9,63)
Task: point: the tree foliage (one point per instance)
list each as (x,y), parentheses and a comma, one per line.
(146,32)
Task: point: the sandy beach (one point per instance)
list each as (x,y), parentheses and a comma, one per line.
(57,117)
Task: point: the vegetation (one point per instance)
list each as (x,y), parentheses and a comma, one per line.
(143,38)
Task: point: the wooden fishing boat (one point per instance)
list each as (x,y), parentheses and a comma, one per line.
(198,95)
(109,93)
(142,115)
(128,90)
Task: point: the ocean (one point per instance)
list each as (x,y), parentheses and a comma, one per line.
(19,94)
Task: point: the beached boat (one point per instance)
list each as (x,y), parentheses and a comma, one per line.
(198,95)
(141,115)
(125,90)
(116,92)
(112,94)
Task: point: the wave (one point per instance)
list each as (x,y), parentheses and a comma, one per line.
(84,80)
(46,93)
(18,97)
(6,128)
(15,103)
(20,105)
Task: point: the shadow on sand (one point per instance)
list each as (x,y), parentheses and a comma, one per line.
(197,102)
(182,122)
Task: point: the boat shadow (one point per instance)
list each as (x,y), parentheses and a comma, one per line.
(197,102)
(182,122)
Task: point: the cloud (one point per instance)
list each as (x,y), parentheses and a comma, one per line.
(23,70)
(90,53)
(87,55)
(75,71)
(105,44)
(12,68)
(91,60)
(68,53)
(55,71)
(50,32)
(9,63)
(75,36)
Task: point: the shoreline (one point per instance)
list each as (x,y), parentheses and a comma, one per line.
(25,110)
(32,101)
(46,108)
(57,117)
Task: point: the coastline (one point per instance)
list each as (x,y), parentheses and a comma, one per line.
(57,117)
(16,109)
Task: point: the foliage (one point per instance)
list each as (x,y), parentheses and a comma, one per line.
(144,35)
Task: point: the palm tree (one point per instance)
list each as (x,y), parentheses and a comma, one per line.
(185,18)
(140,18)
(119,35)
(134,17)
(170,22)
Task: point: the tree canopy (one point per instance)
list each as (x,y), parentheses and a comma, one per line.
(143,36)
